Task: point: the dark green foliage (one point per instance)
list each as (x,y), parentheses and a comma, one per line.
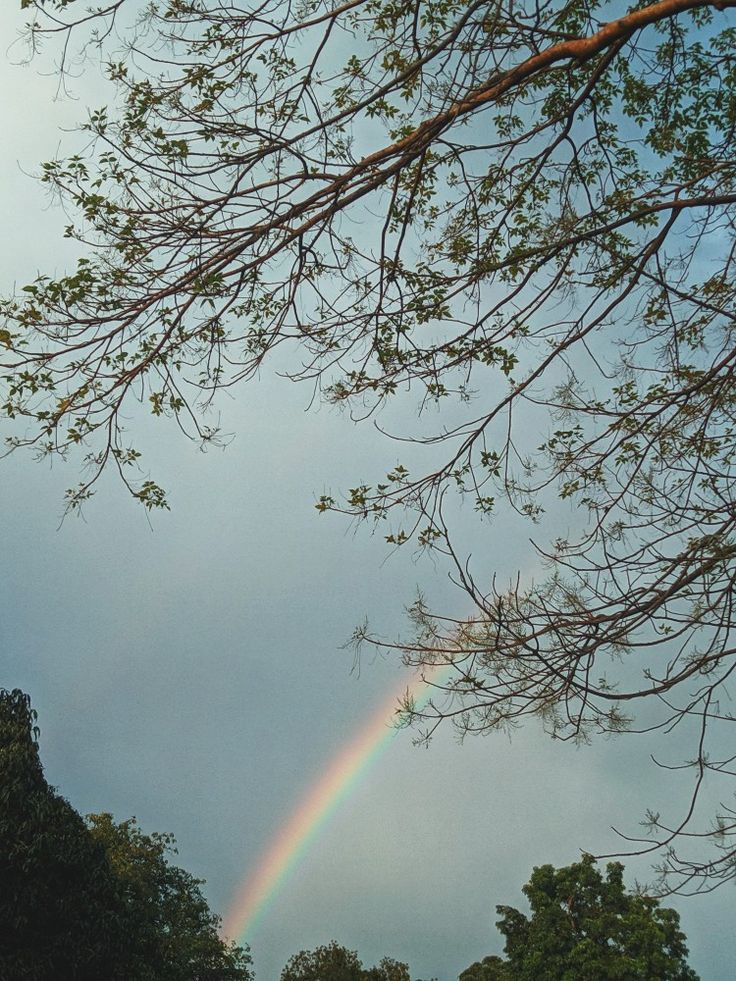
(93,901)
(60,910)
(175,933)
(336,963)
(584,927)
(491,968)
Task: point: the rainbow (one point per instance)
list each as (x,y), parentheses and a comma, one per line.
(317,806)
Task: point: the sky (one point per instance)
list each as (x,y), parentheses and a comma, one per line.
(190,670)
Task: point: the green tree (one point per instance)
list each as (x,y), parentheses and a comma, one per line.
(61,914)
(584,927)
(388,970)
(176,934)
(94,900)
(523,213)
(335,963)
(491,968)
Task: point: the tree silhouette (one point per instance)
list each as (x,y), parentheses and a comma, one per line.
(94,900)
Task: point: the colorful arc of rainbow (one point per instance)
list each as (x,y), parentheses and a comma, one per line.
(316,807)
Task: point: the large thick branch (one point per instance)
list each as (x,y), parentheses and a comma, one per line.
(340,192)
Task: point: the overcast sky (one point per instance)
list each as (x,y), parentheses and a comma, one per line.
(190,671)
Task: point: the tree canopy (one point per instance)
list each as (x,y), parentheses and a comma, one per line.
(336,963)
(175,935)
(60,909)
(491,968)
(584,927)
(522,212)
(95,899)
